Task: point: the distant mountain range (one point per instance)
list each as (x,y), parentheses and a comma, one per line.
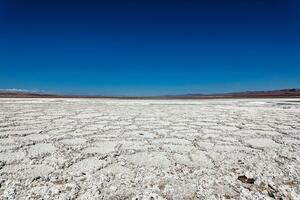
(269,93)
(244,94)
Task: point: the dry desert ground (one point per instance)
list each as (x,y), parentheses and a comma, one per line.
(149,149)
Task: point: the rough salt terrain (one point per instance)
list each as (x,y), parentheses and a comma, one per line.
(149,149)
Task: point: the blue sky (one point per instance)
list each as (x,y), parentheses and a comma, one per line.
(149,47)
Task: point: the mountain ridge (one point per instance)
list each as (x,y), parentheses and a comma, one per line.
(292,92)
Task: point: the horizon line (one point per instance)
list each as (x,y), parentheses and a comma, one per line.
(43,92)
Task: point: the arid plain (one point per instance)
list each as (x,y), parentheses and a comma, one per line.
(149,149)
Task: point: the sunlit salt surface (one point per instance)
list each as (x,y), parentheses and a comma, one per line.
(149,149)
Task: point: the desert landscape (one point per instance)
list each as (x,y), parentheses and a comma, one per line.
(63,148)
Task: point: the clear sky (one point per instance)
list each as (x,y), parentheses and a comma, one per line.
(149,47)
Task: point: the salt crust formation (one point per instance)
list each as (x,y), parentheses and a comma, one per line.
(149,149)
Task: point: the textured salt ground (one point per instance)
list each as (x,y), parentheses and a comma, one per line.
(149,149)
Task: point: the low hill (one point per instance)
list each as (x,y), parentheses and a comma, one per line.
(285,93)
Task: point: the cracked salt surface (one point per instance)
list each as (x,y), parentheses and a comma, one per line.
(149,149)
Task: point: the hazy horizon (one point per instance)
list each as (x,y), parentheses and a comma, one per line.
(36,91)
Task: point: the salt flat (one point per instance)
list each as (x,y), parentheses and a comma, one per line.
(149,149)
